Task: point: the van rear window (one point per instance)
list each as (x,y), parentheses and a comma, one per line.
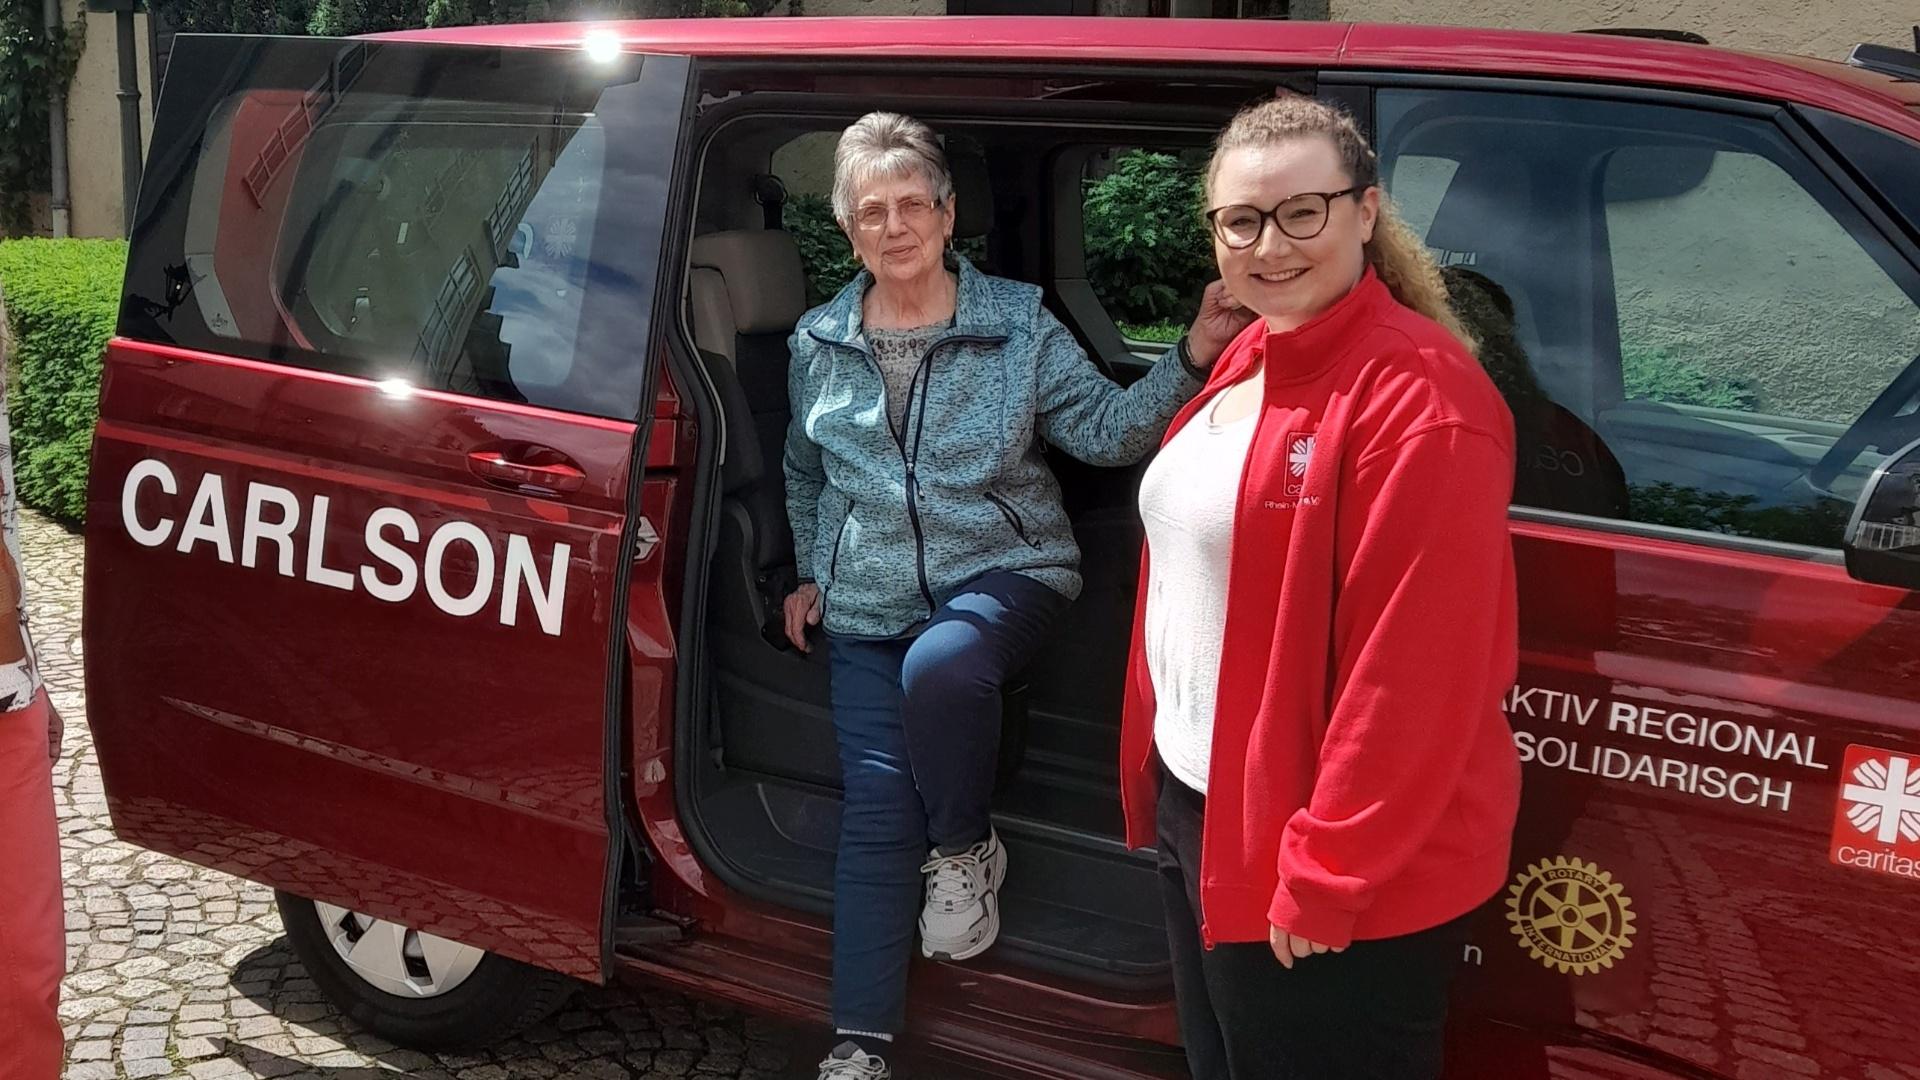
(478,220)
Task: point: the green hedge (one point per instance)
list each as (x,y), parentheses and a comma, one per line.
(825,254)
(1657,374)
(1149,255)
(61,300)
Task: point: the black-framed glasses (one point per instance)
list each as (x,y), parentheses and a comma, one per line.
(1302,217)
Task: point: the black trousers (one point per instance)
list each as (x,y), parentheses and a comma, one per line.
(1375,1012)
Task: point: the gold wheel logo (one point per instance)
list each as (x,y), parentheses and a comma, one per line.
(1571,915)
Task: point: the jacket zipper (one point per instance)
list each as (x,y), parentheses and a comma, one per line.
(909,461)
(906,464)
(833,564)
(1013,518)
(918,417)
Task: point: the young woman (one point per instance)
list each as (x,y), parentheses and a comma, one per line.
(1313,736)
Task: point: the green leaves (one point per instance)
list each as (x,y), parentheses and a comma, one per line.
(32,62)
(1657,374)
(62,298)
(824,251)
(1148,254)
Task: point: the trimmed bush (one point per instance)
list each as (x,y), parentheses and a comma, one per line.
(61,298)
(824,250)
(1656,374)
(1149,255)
(1166,331)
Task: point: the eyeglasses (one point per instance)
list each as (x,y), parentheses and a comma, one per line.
(913,210)
(1302,217)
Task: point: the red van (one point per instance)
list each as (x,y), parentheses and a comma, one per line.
(436,545)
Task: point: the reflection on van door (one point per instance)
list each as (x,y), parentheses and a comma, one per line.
(1687,314)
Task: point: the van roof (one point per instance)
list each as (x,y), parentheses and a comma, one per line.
(1863,94)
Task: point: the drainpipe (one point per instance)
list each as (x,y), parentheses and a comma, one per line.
(129,114)
(61,201)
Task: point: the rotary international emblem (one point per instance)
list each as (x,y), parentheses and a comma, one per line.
(1570,915)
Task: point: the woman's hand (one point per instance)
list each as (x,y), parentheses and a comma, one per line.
(1220,320)
(1290,947)
(803,610)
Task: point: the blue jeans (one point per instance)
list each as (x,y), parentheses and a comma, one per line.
(918,721)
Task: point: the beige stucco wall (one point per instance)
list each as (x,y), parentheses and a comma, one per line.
(93,126)
(935,7)
(876,7)
(1793,26)
(1748,278)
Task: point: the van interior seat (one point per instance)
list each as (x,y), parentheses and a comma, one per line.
(747,291)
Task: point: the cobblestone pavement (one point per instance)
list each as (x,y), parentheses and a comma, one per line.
(178,971)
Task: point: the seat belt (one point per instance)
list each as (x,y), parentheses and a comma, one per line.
(771,193)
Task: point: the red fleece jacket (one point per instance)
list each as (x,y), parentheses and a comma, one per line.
(1363,780)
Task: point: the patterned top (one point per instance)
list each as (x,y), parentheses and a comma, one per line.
(898,353)
(20,679)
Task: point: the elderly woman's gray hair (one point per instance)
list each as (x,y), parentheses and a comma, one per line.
(886,145)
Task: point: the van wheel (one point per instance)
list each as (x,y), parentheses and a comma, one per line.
(416,989)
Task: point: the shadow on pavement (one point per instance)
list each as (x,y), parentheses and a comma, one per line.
(604,1033)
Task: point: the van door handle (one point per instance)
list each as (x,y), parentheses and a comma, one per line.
(494,465)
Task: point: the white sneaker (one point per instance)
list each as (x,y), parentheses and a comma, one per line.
(961,918)
(849,1062)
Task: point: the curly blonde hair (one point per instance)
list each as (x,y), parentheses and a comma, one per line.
(1395,253)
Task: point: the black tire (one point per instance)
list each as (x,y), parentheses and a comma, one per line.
(500,999)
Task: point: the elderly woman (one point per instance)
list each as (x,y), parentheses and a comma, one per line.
(933,546)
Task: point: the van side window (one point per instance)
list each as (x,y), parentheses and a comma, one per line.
(1148,252)
(393,268)
(358,210)
(1684,314)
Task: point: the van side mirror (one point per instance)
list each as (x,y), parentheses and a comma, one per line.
(1882,542)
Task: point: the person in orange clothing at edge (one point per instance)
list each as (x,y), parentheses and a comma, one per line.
(1312,735)
(33,937)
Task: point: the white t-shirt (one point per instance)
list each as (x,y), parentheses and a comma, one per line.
(1187,500)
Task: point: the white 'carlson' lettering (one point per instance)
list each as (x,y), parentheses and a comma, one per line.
(272,526)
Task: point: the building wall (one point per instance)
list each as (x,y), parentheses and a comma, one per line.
(93,125)
(1793,26)
(876,7)
(936,7)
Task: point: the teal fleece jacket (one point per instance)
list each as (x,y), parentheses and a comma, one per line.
(892,527)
